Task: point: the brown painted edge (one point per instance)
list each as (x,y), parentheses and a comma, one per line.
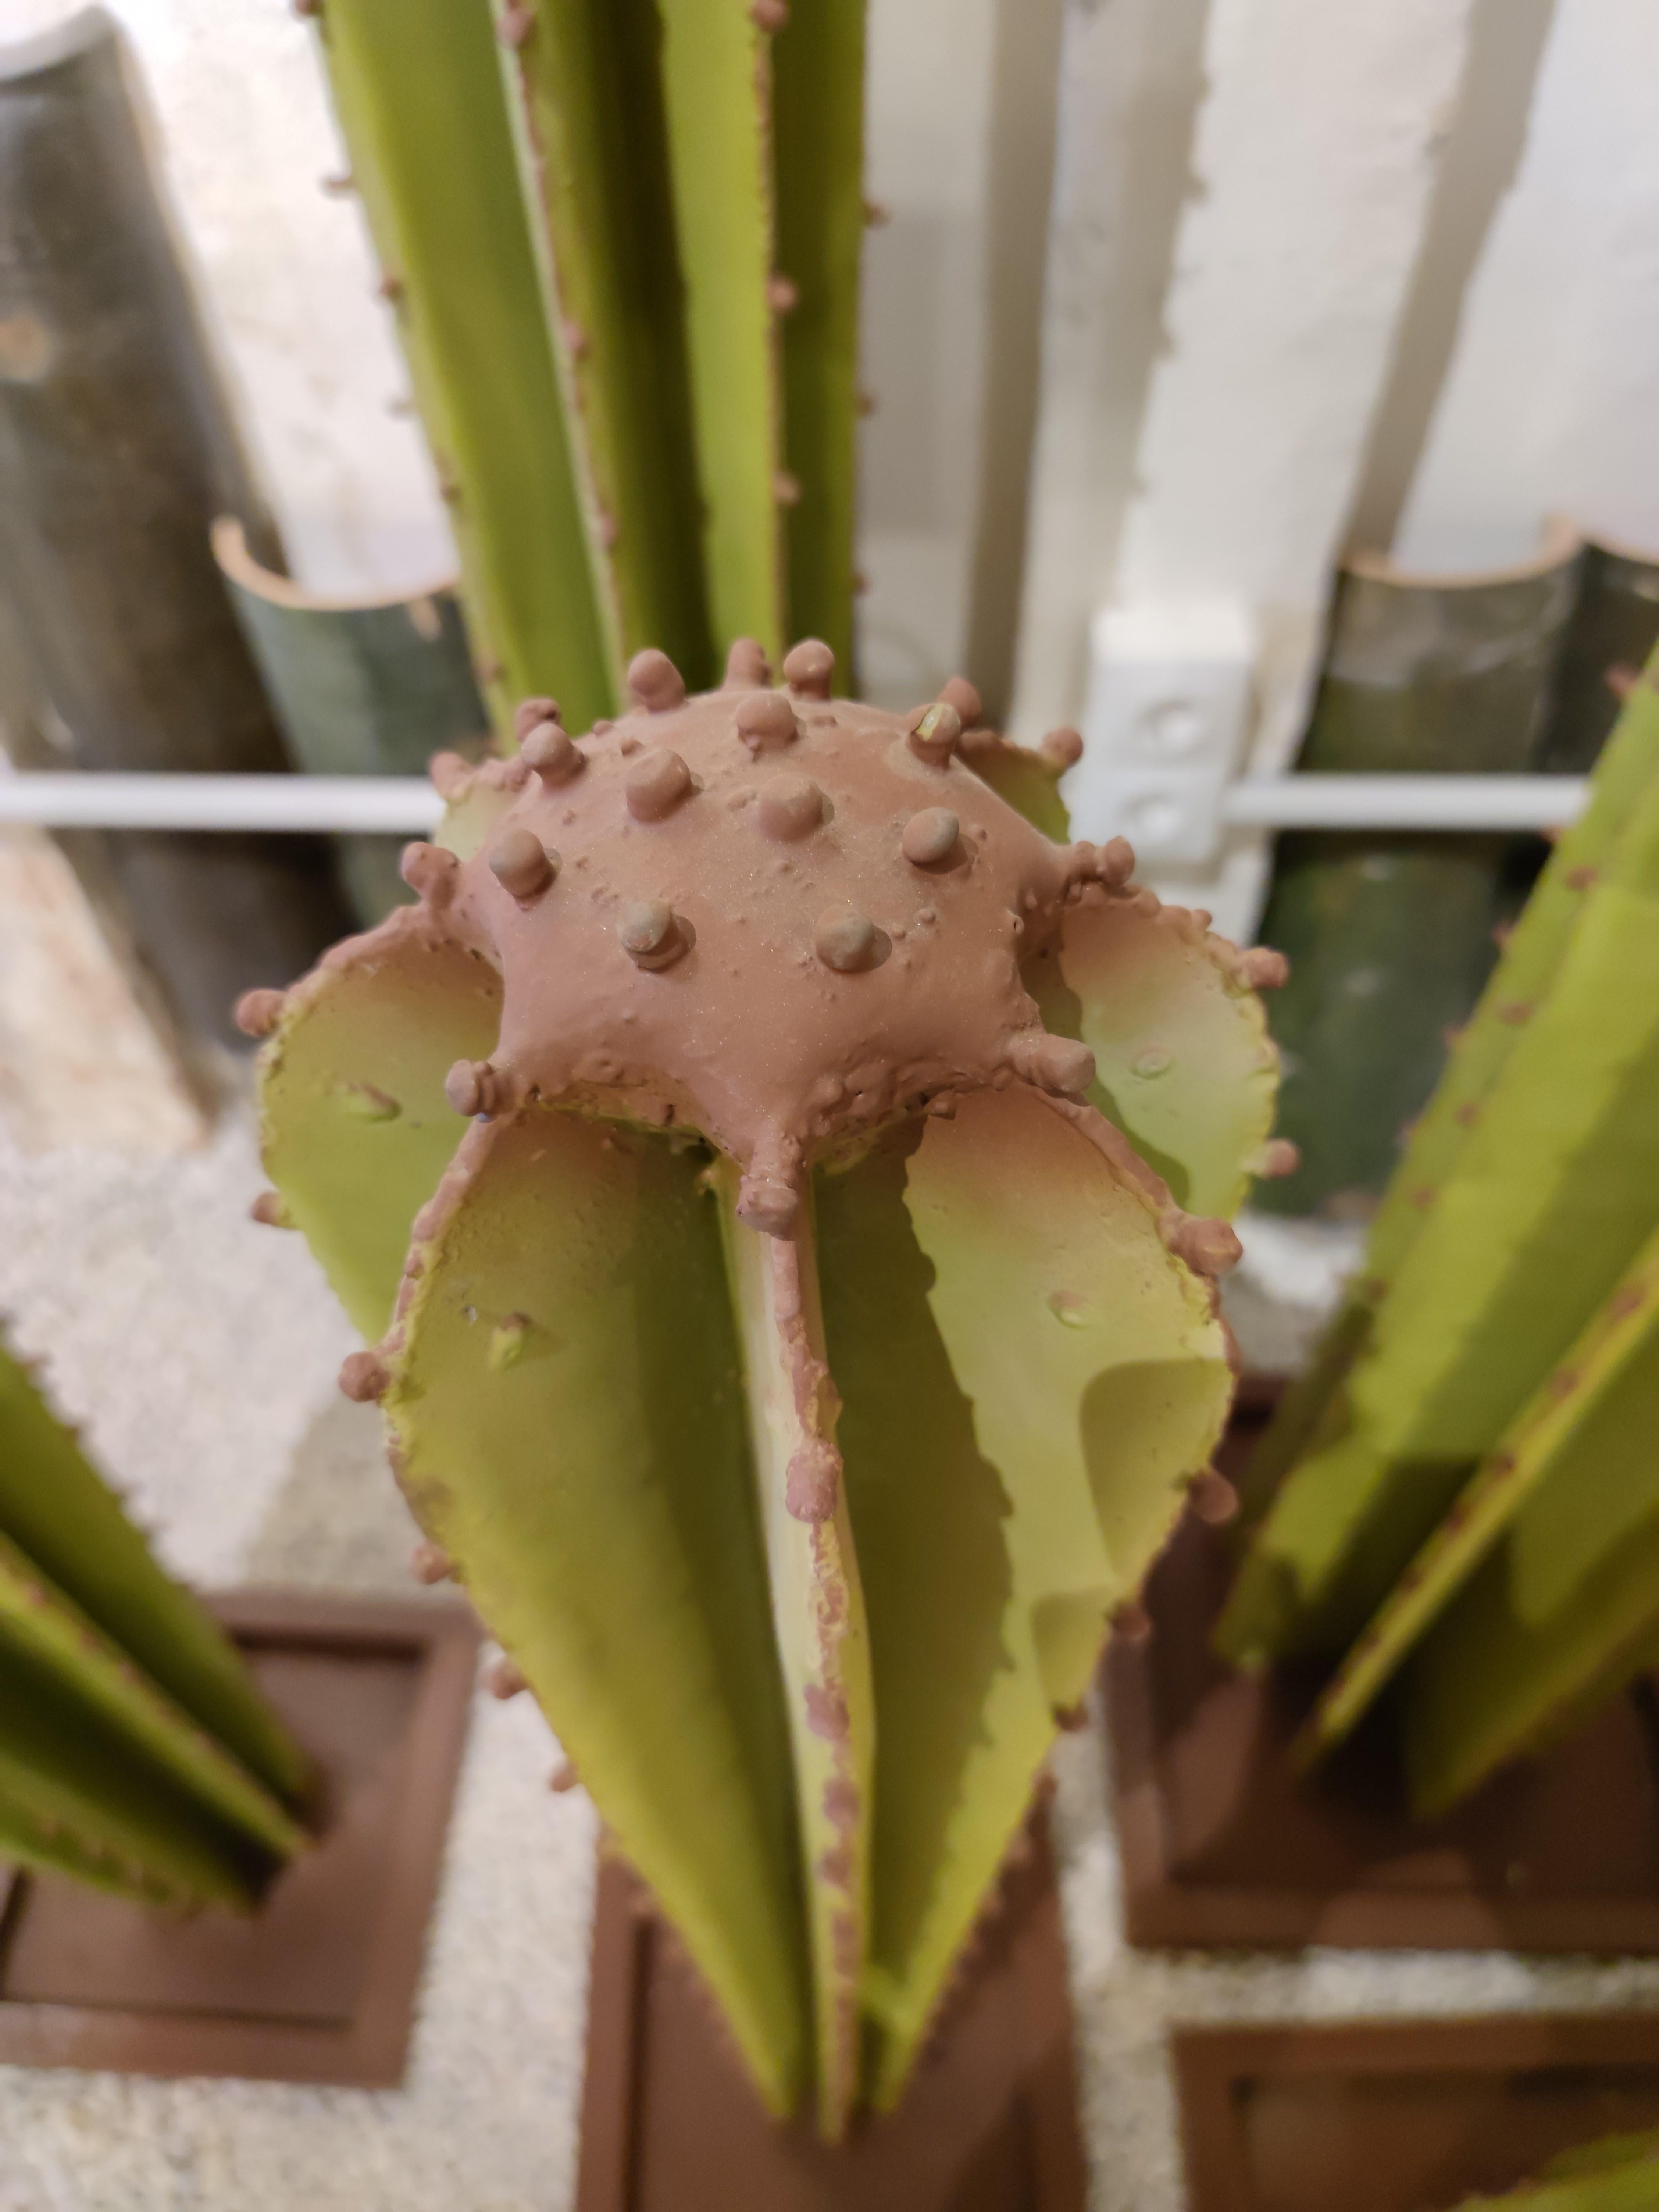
(372,2053)
(1210,2063)
(1162,1913)
(624,1931)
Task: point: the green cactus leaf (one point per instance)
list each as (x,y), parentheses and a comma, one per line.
(1569,1479)
(58,1637)
(589,111)
(1602,2157)
(817,1613)
(1631,2185)
(1516,1251)
(1524,976)
(596,1495)
(417,87)
(388,1014)
(59,1515)
(79,1796)
(817,138)
(716,75)
(1526,970)
(1023,776)
(1028,1378)
(1185,1066)
(1564,1603)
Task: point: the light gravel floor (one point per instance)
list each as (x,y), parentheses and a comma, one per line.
(199,1352)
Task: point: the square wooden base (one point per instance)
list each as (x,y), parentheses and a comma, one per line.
(1404,2117)
(319,1984)
(671,2124)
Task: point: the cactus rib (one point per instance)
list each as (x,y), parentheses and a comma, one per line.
(818,1610)
(716,81)
(417,90)
(587,103)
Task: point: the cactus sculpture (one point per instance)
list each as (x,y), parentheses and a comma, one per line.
(135,1753)
(795,1355)
(1465,1490)
(623,245)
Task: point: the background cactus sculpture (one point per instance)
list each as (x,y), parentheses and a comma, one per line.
(1465,1490)
(794,1354)
(622,245)
(135,1753)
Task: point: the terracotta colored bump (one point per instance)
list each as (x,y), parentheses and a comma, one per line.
(785,489)
(1114,863)
(930,836)
(1263,968)
(1053,1063)
(768,1203)
(521,864)
(552,753)
(790,807)
(844,939)
(770,15)
(652,935)
(657,782)
(766,721)
(565,1776)
(1209,1247)
(1214,1498)
(1280,1156)
(505,1679)
(429,869)
(515,25)
(809,668)
(782,294)
(746,665)
(364,1377)
(530,712)
(468,1086)
(1062,748)
(269,1210)
(655,682)
(430,1563)
(258,1012)
(935,731)
(1132,1622)
(963,695)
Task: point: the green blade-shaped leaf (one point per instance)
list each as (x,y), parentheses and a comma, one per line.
(1185,1066)
(717,92)
(1602,2157)
(1524,976)
(357,1128)
(1027,778)
(817,1614)
(817,76)
(78,1794)
(588,108)
(567,1409)
(1517,1249)
(1028,1378)
(1564,1502)
(55,1510)
(1565,1607)
(58,1637)
(417,88)
(1630,2185)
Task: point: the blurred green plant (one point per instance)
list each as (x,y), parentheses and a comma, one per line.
(1463,1492)
(135,1753)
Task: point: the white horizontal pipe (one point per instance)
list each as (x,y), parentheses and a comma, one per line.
(407,805)
(1405,802)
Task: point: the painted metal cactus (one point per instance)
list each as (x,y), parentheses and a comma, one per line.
(135,1753)
(1464,1493)
(795,1355)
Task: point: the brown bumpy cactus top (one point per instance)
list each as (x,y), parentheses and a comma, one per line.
(774,916)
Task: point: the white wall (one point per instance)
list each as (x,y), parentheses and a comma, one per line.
(1552,403)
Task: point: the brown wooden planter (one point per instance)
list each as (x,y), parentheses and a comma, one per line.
(1403,2115)
(1223,1843)
(671,2124)
(319,1986)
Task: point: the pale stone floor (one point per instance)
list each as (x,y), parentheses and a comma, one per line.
(199,1351)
